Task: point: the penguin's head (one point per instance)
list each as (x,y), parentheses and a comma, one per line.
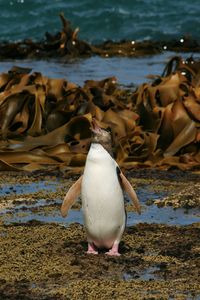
(101,136)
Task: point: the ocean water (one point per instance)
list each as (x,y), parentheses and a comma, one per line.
(128,71)
(101,20)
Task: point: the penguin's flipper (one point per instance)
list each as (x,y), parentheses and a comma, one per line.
(127,187)
(71,196)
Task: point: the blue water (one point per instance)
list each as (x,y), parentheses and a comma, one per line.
(101,20)
(150,214)
(128,71)
(21,189)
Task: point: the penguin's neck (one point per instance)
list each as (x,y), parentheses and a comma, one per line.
(98,154)
(107,147)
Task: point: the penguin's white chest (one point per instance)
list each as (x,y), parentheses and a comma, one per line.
(102,198)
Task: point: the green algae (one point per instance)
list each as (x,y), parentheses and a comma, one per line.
(51,261)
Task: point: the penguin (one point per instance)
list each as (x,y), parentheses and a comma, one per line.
(101,188)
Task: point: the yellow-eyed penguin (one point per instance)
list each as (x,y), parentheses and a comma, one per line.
(101,187)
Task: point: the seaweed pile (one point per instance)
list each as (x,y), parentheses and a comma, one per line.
(45,123)
(66,44)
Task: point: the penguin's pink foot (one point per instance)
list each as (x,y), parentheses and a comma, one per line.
(91,249)
(114,250)
(113,253)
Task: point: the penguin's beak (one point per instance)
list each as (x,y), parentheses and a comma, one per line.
(95,127)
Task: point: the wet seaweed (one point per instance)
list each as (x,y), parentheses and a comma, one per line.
(45,122)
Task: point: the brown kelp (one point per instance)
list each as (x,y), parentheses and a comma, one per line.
(66,43)
(45,122)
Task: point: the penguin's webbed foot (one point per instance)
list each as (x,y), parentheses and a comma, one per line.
(114,250)
(113,253)
(91,249)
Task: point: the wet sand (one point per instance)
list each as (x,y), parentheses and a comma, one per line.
(43,259)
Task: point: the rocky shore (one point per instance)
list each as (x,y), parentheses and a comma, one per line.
(48,260)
